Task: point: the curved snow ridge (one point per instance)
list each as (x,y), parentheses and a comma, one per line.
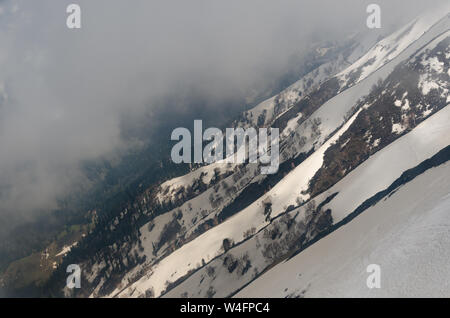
(390,47)
(407,235)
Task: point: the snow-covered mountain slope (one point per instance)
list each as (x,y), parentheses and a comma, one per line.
(269,110)
(382,168)
(170,189)
(407,234)
(390,47)
(432,133)
(385,165)
(212,231)
(332,113)
(371,177)
(209,245)
(193,203)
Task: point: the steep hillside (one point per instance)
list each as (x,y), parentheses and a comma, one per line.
(296,228)
(434,135)
(406,233)
(347,132)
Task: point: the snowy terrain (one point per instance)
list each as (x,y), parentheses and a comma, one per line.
(390,47)
(366,180)
(184,247)
(407,235)
(209,245)
(386,165)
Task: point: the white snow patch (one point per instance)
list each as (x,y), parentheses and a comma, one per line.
(376,142)
(434,64)
(427,85)
(406,105)
(66,249)
(398,128)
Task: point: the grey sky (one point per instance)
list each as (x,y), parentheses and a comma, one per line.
(63,92)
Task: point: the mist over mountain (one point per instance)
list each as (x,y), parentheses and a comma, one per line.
(70,96)
(86,117)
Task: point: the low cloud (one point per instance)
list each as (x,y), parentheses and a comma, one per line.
(70,95)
